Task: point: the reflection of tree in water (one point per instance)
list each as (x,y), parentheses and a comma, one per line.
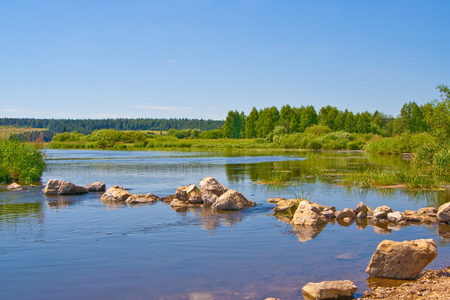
(208,218)
(16,215)
(328,167)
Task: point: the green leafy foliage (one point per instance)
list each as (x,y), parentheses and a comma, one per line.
(20,162)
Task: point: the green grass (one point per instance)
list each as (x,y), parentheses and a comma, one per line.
(20,162)
(7,131)
(410,178)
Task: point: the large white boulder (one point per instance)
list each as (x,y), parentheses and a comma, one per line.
(401,260)
(211,190)
(59,187)
(338,289)
(308,215)
(232,200)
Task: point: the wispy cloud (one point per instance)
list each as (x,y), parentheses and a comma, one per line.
(9,110)
(172,61)
(169,108)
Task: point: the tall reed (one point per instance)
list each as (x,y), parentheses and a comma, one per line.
(20,162)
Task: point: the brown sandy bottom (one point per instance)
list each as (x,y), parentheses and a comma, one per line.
(432,284)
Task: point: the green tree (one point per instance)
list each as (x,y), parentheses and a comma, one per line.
(308,118)
(286,114)
(234,126)
(250,124)
(267,119)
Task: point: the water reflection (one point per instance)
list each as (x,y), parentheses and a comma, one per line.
(208,218)
(444,231)
(328,167)
(15,215)
(57,202)
(307,233)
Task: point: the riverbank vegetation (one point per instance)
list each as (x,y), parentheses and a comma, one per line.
(422,130)
(20,162)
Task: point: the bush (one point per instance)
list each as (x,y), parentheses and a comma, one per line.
(441,161)
(20,162)
(318,130)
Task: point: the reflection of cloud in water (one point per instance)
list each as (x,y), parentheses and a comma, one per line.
(307,233)
(210,219)
(201,296)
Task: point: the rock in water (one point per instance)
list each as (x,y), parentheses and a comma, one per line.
(116,193)
(59,187)
(189,193)
(142,198)
(232,200)
(443,213)
(286,206)
(14,187)
(210,190)
(339,289)
(96,187)
(381,212)
(306,214)
(401,260)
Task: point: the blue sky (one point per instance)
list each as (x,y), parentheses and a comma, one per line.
(202,58)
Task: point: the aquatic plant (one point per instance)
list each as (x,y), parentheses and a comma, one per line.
(20,162)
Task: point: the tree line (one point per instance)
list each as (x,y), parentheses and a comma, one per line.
(433,116)
(87,126)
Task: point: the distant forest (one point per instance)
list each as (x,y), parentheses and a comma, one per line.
(87,126)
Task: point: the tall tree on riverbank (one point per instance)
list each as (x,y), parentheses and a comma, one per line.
(267,120)
(234,127)
(250,124)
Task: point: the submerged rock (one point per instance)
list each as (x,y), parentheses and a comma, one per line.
(339,289)
(96,187)
(275,199)
(14,187)
(211,190)
(59,187)
(116,193)
(401,260)
(306,214)
(142,198)
(232,200)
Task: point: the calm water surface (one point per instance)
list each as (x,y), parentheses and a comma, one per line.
(79,248)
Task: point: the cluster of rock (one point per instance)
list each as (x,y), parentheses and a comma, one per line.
(211,193)
(303,212)
(60,187)
(432,284)
(394,260)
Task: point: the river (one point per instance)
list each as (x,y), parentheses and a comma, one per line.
(77,247)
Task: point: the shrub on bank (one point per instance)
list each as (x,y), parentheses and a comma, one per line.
(20,162)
